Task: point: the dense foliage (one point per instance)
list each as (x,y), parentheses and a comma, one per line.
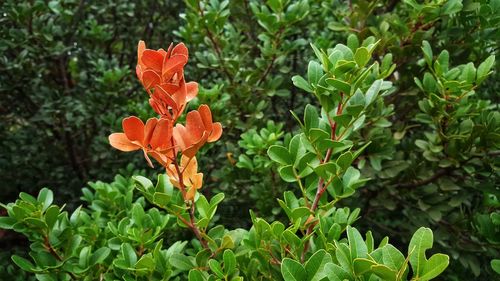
(66,79)
(396,113)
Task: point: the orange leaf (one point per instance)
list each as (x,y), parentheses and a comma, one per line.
(172,66)
(216,132)
(194,124)
(150,79)
(152,59)
(149,129)
(162,135)
(206,116)
(121,142)
(192,90)
(180,49)
(134,129)
(140,49)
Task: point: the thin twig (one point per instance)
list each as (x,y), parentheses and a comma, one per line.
(215,45)
(321,184)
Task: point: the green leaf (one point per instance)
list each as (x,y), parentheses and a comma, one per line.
(161,199)
(301,83)
(37,223)
(45,197)
(468,73)
(181,262)
(23,263)
(276,5)
(45,277)
(129,255)
(227,242)
(311,118)
(362,56)
(287,173)
(300,212)
(99,256)
(144,183)
(443,60)
(335,56)
(317,51)
(426,48)
(279,154)
(355,104)
(291,238)
(202,257)
(216,199)
(84,255)
(296,148)
(51,215)
(385,272)
(429,83)
(293,270)
(315,265)
(495,264)
(343,66)
(372,92)
(343,119)
(451,7)
(314,72)
(392,257)
(337,273)
(345,160)
(74,244)
(324,170)
(369,241)
(28,198)
(360,150)
(421,241)
(357,245)
(339,85)
(435,266)
(164,185)
(484,68)
(146,263)
(7,222)
(195,275)
(229,262)
(362,265)
(352,41)
(245,162)
(216,268)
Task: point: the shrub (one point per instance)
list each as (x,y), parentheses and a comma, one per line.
(318,243)
(65,82)
(453,189)
(430,138)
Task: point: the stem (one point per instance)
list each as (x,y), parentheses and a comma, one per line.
(51,249)
(215,45)
(54,253)
(194,227)
(181,179)
(273,59)
(321,184)
(192,221)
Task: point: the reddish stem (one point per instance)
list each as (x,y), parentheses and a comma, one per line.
(192,221)
(321,184)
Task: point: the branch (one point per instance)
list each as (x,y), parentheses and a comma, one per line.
(321,184)
(192,221)
(273,59)
(215,45)
(418,183)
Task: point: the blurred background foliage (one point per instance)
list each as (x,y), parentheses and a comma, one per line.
(67,79)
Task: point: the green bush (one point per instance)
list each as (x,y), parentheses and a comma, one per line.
(430,133)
